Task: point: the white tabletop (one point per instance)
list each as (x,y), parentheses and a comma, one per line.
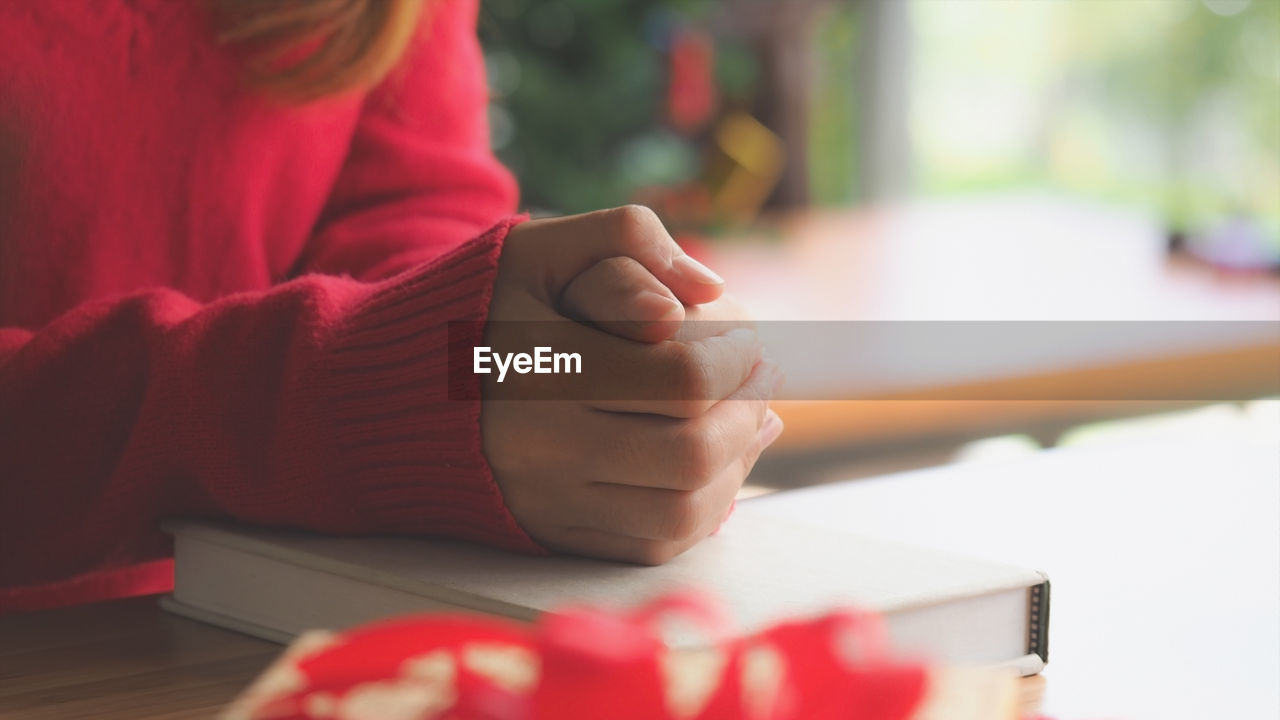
(1163,550)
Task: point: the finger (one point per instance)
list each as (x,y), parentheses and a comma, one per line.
(657,452)
(714,318)
(613,546)
(678,379)
(621,297)
(656,514)
(673,515)
(651,526)
(769,432)
(580,241)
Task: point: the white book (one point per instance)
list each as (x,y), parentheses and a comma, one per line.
(939,606)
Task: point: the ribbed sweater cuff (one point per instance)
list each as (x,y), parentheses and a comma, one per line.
(414,456)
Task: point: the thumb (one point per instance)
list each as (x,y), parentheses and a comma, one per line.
(570,245)
(618,295)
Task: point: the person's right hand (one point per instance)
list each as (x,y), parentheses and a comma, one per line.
(649,460)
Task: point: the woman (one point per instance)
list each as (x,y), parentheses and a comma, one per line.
(232,238)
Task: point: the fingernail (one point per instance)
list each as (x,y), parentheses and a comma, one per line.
(696,271)
(648,307)
(771,429)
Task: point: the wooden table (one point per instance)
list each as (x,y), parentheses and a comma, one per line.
(122,659)
(1000,258)
(1164,554)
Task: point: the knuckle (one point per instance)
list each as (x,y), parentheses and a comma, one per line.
(635,224)
(636,216)
(695,453)
(624,276)
(619,266)
(680,517)
(692,373)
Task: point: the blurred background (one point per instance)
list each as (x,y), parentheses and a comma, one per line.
(958,160)
(1169,105)
(1032,243)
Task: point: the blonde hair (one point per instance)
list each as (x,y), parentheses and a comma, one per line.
(303,50)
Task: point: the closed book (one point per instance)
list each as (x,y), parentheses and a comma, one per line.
(938,606)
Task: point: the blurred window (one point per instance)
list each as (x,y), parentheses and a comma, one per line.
(1168,104)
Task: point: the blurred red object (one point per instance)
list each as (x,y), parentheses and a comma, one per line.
(691,90)
(588,663)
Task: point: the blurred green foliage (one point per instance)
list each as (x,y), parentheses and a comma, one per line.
(833,124)
(1172,105)
(579,95)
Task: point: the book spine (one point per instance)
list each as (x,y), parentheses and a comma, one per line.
(1038,621)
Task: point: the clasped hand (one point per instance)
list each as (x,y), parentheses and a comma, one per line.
(649,461)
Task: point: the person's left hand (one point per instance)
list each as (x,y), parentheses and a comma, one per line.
(650,465)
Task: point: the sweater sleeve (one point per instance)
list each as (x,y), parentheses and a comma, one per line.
(419,178)
(323,403)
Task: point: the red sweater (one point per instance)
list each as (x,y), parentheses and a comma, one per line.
(213,305)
